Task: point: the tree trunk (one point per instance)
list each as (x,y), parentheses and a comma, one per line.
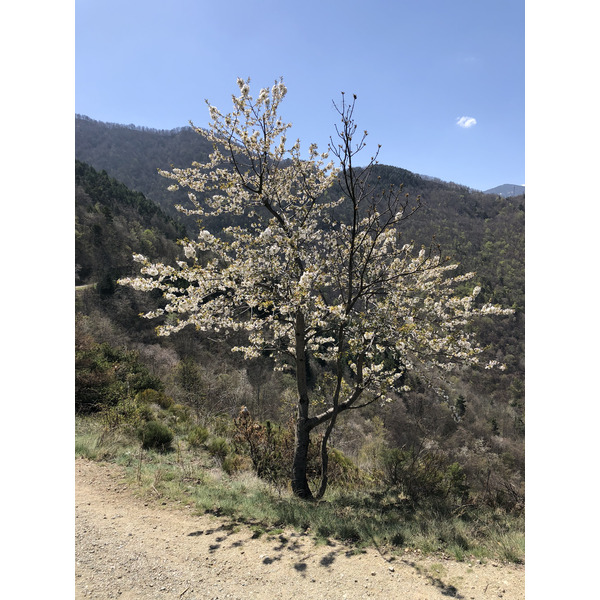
(299,467)
(335,401)
(300,486)
(325,457)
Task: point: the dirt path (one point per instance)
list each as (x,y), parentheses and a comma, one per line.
(130,548)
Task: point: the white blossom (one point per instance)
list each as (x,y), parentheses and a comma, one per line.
(361,291)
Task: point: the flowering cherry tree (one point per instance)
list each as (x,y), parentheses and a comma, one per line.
(318,268)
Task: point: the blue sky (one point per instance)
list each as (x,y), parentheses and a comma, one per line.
(440,83)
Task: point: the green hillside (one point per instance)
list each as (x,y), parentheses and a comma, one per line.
(133,154)
(112,222)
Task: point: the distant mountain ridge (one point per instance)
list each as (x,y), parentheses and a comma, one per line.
(133,154)
(507,190)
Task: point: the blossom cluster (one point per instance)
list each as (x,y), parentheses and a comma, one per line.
(369,301)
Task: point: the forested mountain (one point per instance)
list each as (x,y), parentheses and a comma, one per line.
(477,420)
(133,154)
(112,222)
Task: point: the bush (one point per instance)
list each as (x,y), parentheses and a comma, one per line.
(127,413)
(180,412)
(150,396)
(197,436)
(104,375)
(457,482)
(269,447)
(218,448)
(155,435)
(423,474)
(341,469)
(223,426)
(234,463)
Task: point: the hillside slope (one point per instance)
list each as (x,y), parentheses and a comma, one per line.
(133,155)
(112,222)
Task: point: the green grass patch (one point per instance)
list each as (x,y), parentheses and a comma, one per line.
(86,446)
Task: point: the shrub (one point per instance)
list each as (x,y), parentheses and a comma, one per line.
(457,482)
(417,474)
(180,412)
(341,469)
(127,413)
(197,436)
(218,448)
(150,396)
(233,463)
(104,375)
(222,425)
(269,448)
(424,475)
(155,435)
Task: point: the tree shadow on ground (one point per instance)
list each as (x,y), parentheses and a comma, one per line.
(290,545)
(328,559)
(445,589)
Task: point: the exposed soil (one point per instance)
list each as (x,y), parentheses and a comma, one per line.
(133,548)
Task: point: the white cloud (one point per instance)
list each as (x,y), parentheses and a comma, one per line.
(466,122)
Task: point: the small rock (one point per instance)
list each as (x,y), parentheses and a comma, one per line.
(391,569)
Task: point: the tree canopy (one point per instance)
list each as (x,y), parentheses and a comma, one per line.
(318,269)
